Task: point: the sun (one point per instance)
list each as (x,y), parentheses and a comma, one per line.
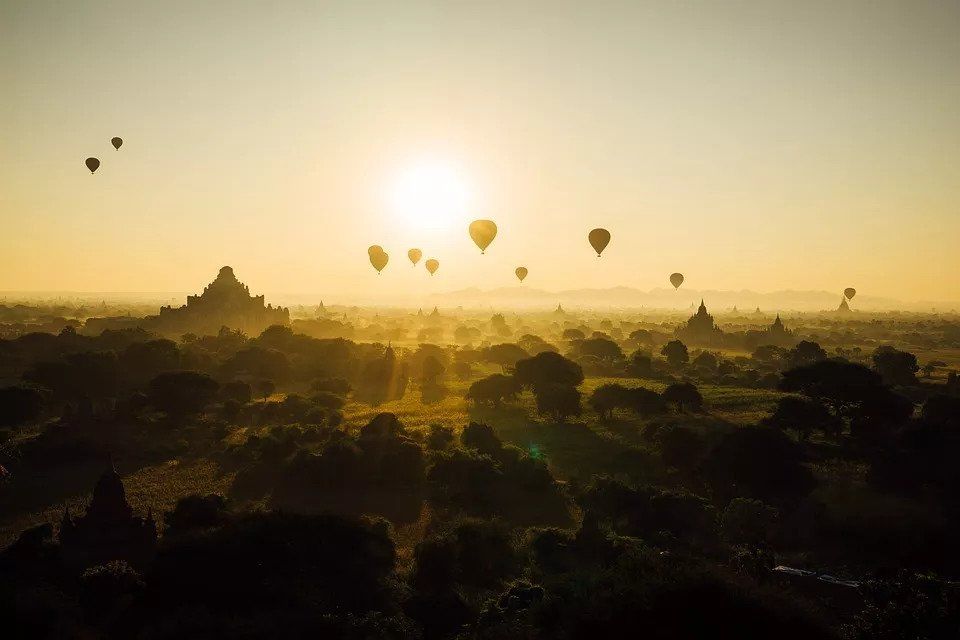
(429,195)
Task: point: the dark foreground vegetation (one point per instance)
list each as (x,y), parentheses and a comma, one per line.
(546,477)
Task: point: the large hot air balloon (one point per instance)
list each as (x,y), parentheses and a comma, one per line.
(676,279)
(521,273)
(432,265)
(414,255)
(599,239)
(483,232)
(116,142)
(849,292)
(92,163)
(378,257)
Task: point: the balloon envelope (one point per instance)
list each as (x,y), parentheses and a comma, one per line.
(374,249)
(414,255)
(379,258)
(483,232)
(432,265)
(521,273)
(676,279)
(599,239)
(849,292)
(116,142)
(92,163)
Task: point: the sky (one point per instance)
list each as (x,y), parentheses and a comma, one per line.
(750,145)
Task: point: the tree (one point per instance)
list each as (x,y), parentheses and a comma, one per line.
(494,390)
(258,362)
(573,334)
(265,388)
(141,361)
(19,405)
(897,368)
(646,403)
(182,393)
(506,355)
(705,360)
(640,365)
(680,447)
(758,462)
(236,390)
(431,371)
(804,416)
(837,383)
(748,521)
(558,401)
(608,397)
(676,353)
(806,352)
(480,436)
(546,369)
(603,349)
(684,395)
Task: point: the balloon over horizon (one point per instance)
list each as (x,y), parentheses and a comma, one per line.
(676,279)
(116,142)
(414,255)
(432,265)
(521,273)
(849,292)
(599,239)
(92,163)
(378,257)
(483,232)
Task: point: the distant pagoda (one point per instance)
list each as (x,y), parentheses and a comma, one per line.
(108,530)
(700,328)
(844,307)
(225,302)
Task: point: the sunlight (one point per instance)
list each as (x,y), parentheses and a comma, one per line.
(429,196)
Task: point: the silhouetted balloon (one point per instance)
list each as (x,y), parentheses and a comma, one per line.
(432,265)
(93,164)
(599,239)
(414,255)
(483,232)
(521,273)
(676,279)
(378,257)
(849,292)
(116,142)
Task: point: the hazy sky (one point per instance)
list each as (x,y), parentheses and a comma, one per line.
(761,145)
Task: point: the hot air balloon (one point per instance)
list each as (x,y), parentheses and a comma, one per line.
(378,257)
(116,142)
(414,255)
(849,292)
(599,239)
(483,232)
(432,265)
(521,273)
(92,163)
(676,279)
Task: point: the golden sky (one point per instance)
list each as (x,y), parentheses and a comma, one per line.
(751,145)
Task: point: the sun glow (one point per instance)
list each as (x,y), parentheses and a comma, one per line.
(429,196)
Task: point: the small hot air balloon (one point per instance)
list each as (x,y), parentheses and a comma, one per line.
(432,265)
(483,232)
(92,163)
(521,273)
(378,257)
(849,292)
(116,142)
(676,279)
(414,255)
(599,239)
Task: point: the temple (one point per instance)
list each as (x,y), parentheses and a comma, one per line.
(844,307)
(108,530)
(700,329)
(225,302)
(777,334)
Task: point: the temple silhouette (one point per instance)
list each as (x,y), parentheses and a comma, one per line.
(109,530)
(701,329)
(225,302)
